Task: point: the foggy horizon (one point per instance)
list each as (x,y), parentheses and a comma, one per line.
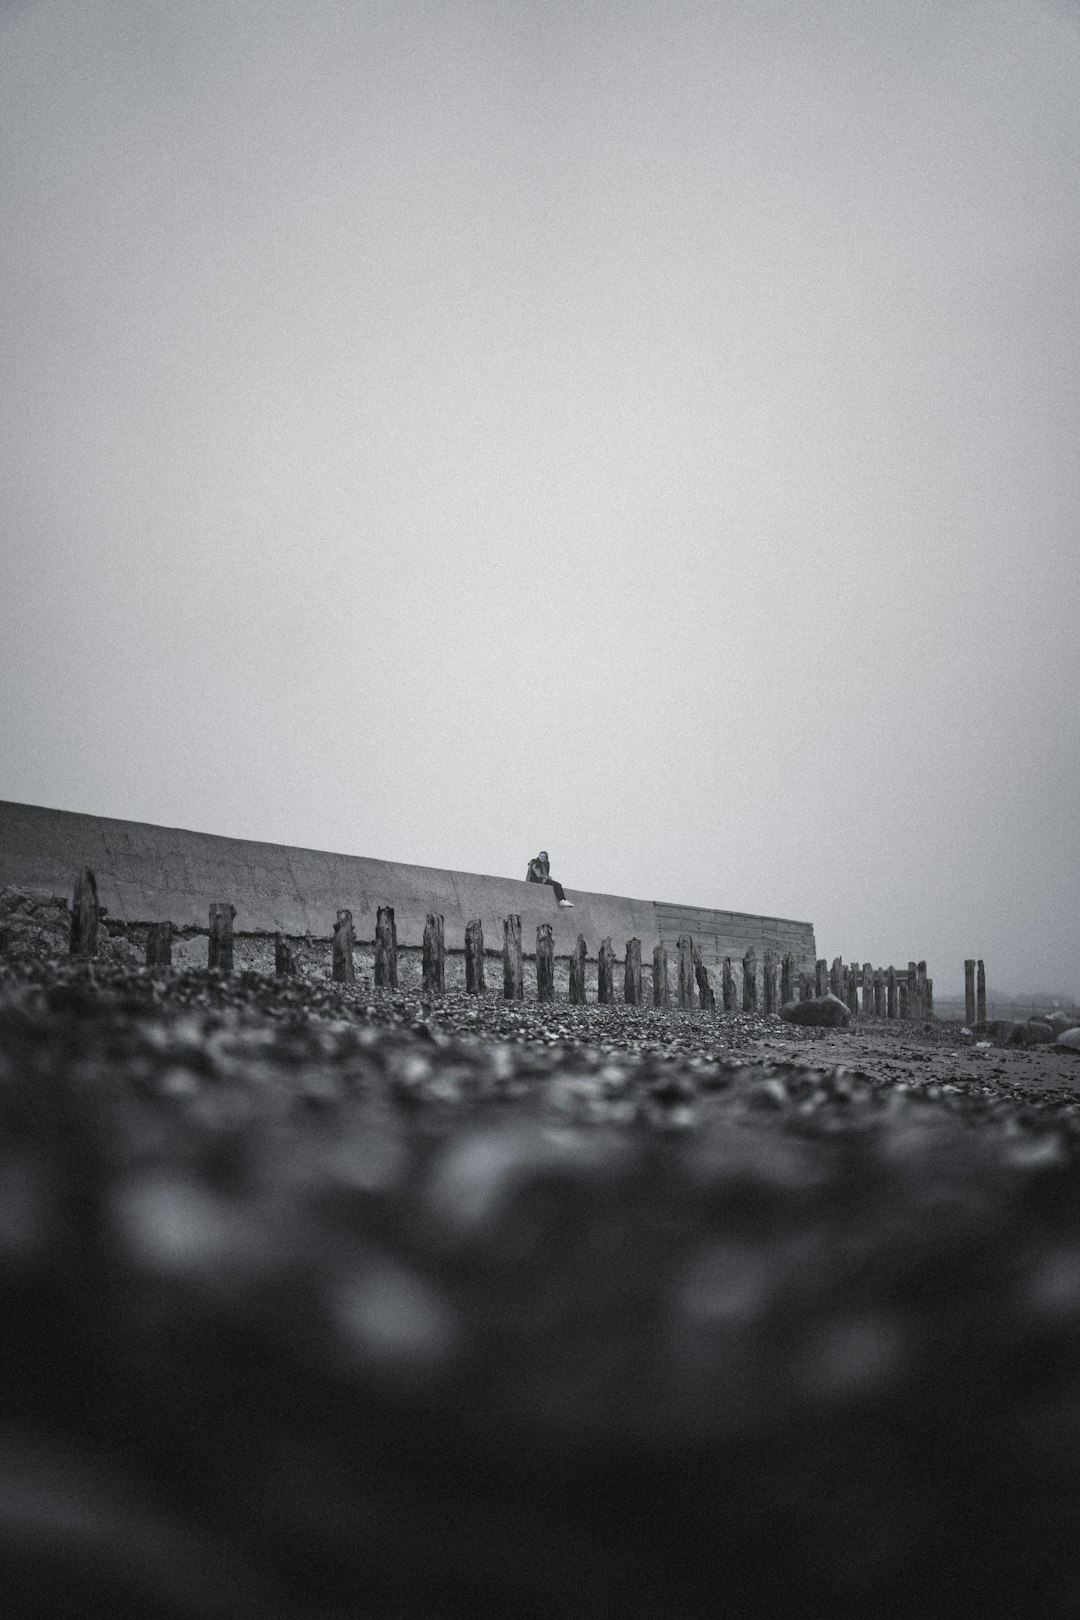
(438,433)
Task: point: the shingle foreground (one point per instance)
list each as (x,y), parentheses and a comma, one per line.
(317,1305)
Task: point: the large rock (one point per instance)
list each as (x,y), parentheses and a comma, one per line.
(826,1012)
(1069,1038)
(1061,1021)
(1036,1032)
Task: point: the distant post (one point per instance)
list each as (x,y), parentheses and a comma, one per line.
(219,950)
(474,958)
(577,972)
(284,960)
(513,982)
(706,994)
(928,1006)
(385,949)
(632,974)
(909,1003)
(879,993)
(749,981)
(545,963)
(969,991)
(768,982)
(82,941)
(686,973)
(920,990)
(905,1004)
(434,955)
(980,992)
(806,987)
(605,974)
(868,990)
(836,977)
(159,944)
(821,976)
(661,993)
(852,987)
(728,990)
(890,982)
(787,979)
(343,969)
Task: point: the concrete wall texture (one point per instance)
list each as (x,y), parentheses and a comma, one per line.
(149,874)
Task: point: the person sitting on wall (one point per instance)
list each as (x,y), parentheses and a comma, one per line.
(540,872)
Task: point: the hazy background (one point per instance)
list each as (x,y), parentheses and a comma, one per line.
(644,431)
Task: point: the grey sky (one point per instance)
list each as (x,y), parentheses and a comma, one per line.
(649,432)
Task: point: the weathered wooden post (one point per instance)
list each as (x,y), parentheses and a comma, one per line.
(219,950)
(686,973)
(969,991)
(577,972)
(868,990)
(632,974)
(605,974)
(474,958)
(434,955)
(890,992)
(920,990)
(385,949)
(706,995)
(729,992)
(513,982)
(661,992)
(749,981)
(879,993)
(787,979)
(806,987)
(284,960)
(545,963)
(851,985)
(343,970)
(905,999)
(980,992)
(909,1003)
(821,976)
(768,981)
(159,944)
(836,977)
(82,940)
(928,1005)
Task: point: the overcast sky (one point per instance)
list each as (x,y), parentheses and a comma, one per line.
(646,431)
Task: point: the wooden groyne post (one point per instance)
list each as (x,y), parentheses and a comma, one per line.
(661,992)
(545,963)
(82,939)
(513,981)
(434,955)
(768,982)
(343,970)
(891,996)
(385,949)
(706,994)
(219,950)
(605,974)
(969,991)
(787,979)
(980,992)
(821,977)
(686,973)
(749,981)
(632,974)
(868,990)
(728,992)
(159,937)
(474,958)
(577,972)
(284,960)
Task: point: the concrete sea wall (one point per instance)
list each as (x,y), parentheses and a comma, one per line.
(147,874)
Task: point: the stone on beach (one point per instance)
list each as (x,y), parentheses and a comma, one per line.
(826,1012)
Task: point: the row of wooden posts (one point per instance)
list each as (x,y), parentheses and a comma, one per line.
(885,992)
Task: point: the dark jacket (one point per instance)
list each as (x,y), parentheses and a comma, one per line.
(538,870)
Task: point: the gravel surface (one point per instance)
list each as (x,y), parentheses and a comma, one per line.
(322,1304)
